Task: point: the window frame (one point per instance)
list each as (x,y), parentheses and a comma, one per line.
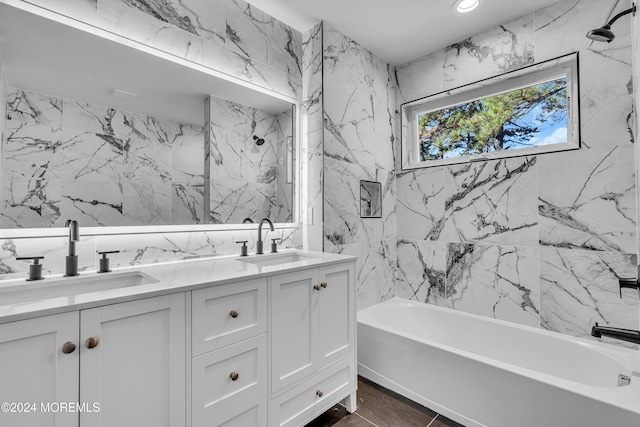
(564,66)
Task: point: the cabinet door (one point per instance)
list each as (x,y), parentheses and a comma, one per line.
(294,302)
(136,372)
(336,336)
(35,370)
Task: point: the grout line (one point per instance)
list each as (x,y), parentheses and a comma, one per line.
(356,413)
(435,418)
(370,422)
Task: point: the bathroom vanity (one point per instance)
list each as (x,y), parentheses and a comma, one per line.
(265,340)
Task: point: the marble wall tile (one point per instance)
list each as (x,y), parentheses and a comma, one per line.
(188,151)
(54,250)
(594,208)
(187,204)
(232,201)
(91,202)
(153,248)
(494,281)
(492,202)
(561,27)
(420,78)
(579,288)
(256,72)
(342,221)
(33,135)
(82,10)
(254,34)
(605,103)
(147,202)
(501,49)
(384,116)
(375,270)
(348,114)
(128,20)
(420,273)
(234,153)
(420,204)
(30,203)
(312,144)
(388,222)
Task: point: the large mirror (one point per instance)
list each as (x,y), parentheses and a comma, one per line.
(115,134)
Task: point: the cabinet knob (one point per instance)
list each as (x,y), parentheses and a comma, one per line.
(323,284)
(234,313)
(91,342)
(316,287)
(234,376)
(319,393)
(68,347)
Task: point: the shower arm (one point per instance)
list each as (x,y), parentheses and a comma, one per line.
(632,9)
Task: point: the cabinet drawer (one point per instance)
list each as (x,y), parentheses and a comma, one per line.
(215,391)
(249,413)
(227,314)
(300,403)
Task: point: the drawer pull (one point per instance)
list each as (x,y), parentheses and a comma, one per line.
(323,284)
(234,313)
(316,287)
(91,342)
(68,348)
(319,393)
(234,376)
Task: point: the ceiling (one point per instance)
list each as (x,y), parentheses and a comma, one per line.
(398,31)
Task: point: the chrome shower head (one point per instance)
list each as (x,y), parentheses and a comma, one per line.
(604,33)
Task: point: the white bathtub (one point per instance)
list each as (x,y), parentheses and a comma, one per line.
(485,372)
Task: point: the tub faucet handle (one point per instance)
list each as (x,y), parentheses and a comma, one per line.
(628,283)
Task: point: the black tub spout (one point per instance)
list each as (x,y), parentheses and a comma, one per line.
(628,335)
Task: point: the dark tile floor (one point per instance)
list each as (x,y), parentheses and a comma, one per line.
(380,407)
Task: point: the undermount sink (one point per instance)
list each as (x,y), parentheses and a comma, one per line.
(277,259)
(70,286)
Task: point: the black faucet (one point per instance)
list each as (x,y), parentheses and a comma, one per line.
(71,264)
(259,242)
(629,335)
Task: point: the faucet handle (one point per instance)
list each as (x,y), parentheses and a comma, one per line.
(628,283)
(243,249)
(274,245)
(35,269)
(104,261)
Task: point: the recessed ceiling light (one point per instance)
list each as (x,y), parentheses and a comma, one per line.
(465,6)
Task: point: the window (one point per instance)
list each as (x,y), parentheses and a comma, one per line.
(529,111)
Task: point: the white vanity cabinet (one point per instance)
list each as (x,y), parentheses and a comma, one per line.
(128,356)
(312,342)
(275,348)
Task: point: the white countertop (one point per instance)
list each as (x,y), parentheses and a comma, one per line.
(172,277)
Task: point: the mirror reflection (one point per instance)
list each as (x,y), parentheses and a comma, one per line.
(113,136)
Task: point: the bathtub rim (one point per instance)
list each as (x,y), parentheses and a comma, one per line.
(626,397)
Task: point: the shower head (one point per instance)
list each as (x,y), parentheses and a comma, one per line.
(604,33)
(259,141)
